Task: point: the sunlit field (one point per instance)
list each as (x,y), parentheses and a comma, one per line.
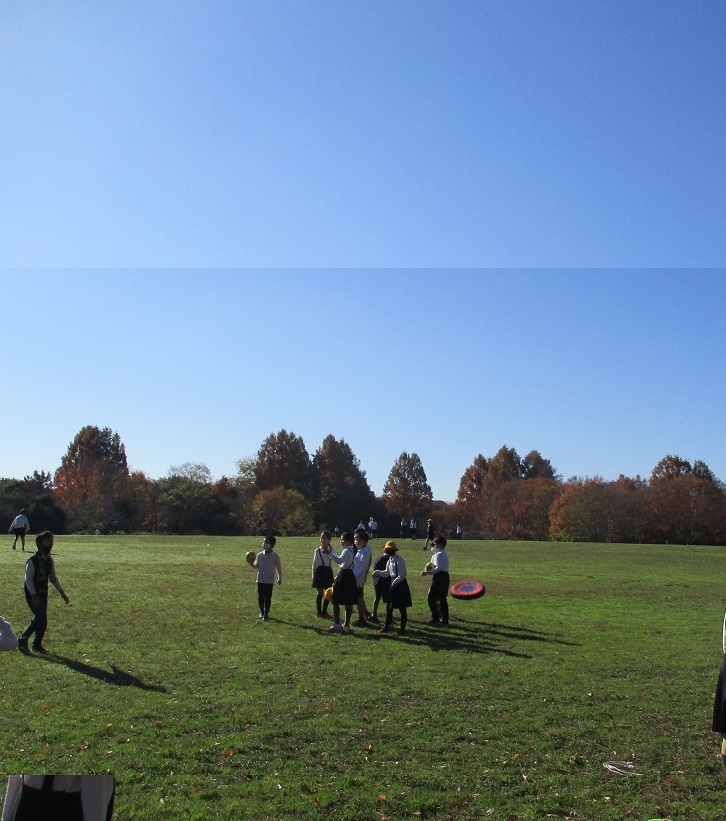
(162,673)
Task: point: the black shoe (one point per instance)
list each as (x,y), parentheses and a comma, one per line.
(38,648)
(23,646)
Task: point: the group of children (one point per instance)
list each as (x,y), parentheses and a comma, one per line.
(346,587)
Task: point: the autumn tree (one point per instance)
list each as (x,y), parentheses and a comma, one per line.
(196,471)
(281,512)
(670,467)
(407,491)
(686,503)
(534,466)
(534,500)
(584,512)
(140,514)
(187,505)
(283,461)
(343,492)
(34,495)
(495,512)
(92,480)
(506,497)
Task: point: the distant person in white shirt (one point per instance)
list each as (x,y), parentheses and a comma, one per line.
(19,527)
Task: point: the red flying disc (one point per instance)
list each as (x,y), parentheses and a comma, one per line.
(467,590)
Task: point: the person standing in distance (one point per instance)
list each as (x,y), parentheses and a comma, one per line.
(39,570)
(267,565)
(19,527)
(430,533)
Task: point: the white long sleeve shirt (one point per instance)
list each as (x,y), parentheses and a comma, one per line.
(395,569)
(440,562)
(320,559)
(267,565)
(345,560)
(20,521)
(361,565)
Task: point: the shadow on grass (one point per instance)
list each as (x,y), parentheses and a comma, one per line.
(114,676)
(461,634)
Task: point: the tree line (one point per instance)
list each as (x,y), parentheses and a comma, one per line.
(283,490)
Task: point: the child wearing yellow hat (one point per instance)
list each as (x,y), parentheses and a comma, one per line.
(399,595)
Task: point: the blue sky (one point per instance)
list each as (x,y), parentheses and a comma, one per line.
(603,371)
(437,227)
(227,133)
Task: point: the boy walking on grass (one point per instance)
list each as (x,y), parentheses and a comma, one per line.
(39,570)
(268,565)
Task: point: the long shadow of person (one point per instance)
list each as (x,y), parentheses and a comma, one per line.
(114,676)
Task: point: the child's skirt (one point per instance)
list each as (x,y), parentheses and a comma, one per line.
(345,588)
(323,577)
(400,595)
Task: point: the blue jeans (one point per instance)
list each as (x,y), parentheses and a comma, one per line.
(40,617)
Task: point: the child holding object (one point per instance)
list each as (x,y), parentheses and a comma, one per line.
(345,587)
(438,569)
(719,702)
(268,565)
(322,574)
(381,584)
(399,595)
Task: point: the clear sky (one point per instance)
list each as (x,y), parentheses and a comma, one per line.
(429,226)
(292,133)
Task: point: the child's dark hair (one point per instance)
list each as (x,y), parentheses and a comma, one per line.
(327,535)
(271,540)
(361,533)
(440,540)
(42,536)
(347,536)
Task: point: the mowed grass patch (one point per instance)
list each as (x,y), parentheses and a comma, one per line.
(162,673)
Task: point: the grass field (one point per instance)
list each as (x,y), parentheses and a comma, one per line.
(162,674)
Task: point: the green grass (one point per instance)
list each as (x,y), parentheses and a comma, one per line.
(162,673)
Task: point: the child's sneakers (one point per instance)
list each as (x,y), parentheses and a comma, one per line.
(335,628)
